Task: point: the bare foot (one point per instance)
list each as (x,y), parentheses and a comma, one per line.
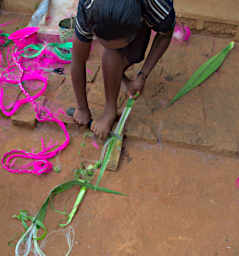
(82,117)
(103,126)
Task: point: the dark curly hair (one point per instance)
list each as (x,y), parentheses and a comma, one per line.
(114,19)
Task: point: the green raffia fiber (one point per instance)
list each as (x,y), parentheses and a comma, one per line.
(206,70)
(8,41)
(62,50)
(66,186)
(39,218)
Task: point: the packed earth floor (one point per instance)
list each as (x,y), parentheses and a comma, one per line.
(178,167)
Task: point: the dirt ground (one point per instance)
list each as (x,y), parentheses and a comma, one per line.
(180,202)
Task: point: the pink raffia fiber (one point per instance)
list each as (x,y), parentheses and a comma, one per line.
(37,163)
(25,36)
(181,33)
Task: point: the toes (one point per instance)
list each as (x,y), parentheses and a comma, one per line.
(104,135)
(100,134)
(93,127)
(97,131)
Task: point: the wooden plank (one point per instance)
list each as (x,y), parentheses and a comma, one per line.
(115,156)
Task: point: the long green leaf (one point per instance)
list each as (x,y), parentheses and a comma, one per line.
(111,142)
(39,218)
(205,70)
(37,221)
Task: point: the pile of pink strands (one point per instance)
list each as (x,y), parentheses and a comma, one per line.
(29,70)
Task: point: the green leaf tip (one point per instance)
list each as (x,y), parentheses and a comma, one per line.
(232,44)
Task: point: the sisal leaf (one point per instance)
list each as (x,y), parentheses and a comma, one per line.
(204,71)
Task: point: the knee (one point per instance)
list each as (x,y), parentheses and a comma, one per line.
(112,57)
(109,54)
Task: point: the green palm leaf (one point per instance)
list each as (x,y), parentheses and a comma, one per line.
(207,69)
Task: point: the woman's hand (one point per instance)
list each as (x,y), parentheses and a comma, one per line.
(136,86)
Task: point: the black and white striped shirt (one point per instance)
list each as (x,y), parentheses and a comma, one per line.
(159,15)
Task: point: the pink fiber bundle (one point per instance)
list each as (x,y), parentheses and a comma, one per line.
(25,36)
(181,33)
(39,162)
(2,39)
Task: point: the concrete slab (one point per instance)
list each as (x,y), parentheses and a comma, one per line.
(139,129)
(183,122)
(220,10)
(14,21)
(206,118)
(26,116)
(62,98)
(220,100)
(26,6)
(210,16)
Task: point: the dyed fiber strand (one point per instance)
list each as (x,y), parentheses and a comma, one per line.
(60,50)
(30,236)
(31,233)
(40,163)
(24,245)
(69,233)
